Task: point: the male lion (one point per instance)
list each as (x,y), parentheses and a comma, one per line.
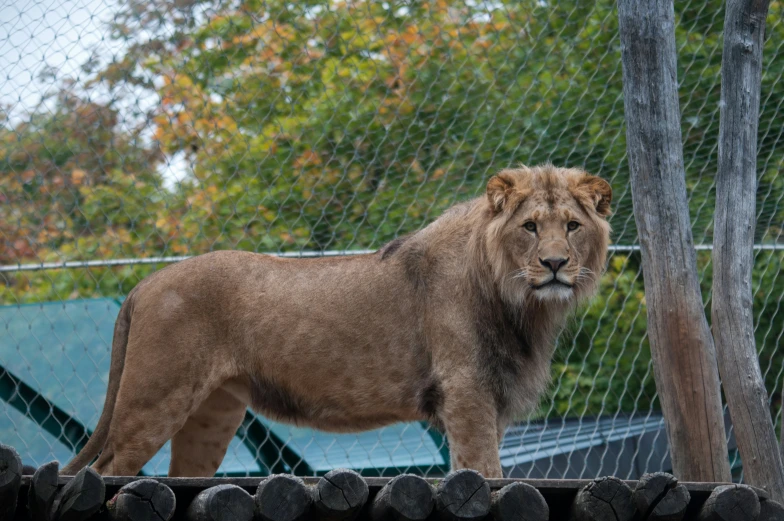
(454,324)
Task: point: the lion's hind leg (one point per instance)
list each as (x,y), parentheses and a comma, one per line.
(199,447)
(161,387)
(146,417)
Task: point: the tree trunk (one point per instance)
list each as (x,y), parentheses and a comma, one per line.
(733,255)
(684,357)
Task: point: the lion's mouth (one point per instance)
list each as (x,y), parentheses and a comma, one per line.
(554,283)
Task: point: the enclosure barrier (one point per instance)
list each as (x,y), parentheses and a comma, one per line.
(344,495)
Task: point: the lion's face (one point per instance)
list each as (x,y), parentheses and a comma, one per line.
(549,233)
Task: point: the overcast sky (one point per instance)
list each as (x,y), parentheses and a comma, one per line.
(35,34)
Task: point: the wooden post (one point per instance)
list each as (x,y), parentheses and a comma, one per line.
(404,498)
(684,358)
(43,488)
(340,495)
(221,503)
(733,239)
(604,499)
(80,498)
(771,510)
(659,497)
(463,496)
(10,481)
(283,497)
(142,500)
(731,503)
(519,502)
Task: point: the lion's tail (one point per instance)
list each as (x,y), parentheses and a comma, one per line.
(119,344)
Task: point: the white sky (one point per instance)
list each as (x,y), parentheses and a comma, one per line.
(35,34)
(61,34)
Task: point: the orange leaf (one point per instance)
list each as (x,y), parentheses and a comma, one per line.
(77,176)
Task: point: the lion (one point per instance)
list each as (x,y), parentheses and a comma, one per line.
(454,324)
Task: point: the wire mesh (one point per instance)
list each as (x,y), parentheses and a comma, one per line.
(135,134)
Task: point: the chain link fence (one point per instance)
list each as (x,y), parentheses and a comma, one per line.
(135,134)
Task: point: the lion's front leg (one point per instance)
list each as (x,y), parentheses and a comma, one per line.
(470,421)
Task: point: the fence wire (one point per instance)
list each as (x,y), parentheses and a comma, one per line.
(135,134)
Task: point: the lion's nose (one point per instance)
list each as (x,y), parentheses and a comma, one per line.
(554,263)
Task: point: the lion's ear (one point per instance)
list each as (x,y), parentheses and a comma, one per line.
(499,190)
(599,191)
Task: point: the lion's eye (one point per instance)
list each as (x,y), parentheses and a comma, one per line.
(572,226)
(530,226)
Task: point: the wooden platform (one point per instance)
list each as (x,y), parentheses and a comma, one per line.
(559,495)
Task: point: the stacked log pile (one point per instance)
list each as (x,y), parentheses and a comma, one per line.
(344,495)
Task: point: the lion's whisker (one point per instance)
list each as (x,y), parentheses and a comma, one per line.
(519,274)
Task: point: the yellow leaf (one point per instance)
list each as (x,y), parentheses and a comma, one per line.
(77,176)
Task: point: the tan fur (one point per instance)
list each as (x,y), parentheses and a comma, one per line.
(446,324)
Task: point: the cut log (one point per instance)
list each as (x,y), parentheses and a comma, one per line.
(771,510)
(404,498)
(142,500)
(43,489)
(463,496)
(604,499)
(341,494)
(221,503)
(10,481)
(731,503)
(80,498)
(283,497)
(659,497)
(28,470)
(519,502)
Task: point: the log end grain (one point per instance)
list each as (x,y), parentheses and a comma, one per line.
(463,495)
(606,498)
(142,500)
(404,498)
(341,494)
(731,503)
(771,511)
(10,481)
(282,497)
(80,498)
(519,502)
(43,489)
(659,497)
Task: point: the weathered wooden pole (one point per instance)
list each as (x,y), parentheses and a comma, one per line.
(733,239)
(684,358)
